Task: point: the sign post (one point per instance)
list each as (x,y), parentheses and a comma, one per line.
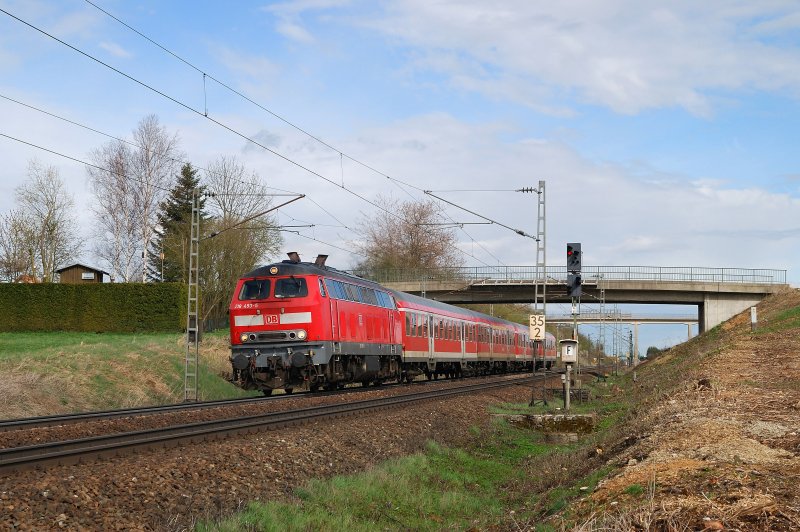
(569,355)
(537,334)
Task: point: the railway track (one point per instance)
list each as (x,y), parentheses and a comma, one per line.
(83,417)
(102,415)
(85,449)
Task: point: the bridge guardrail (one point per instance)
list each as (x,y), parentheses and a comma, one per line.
(558,274)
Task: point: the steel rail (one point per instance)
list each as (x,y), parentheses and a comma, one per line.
(101,415)
(82,417)
(75,451)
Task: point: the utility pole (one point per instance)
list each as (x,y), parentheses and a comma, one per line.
(540,272)
(191,366)
(630,346)
(193,324)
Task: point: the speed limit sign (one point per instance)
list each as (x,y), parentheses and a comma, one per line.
(537,327)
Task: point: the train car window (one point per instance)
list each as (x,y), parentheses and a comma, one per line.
(335,288)
(371,297)
(351,292)
(291,287)
(408,324)
(322,288)
(331,284)
(425,326)
(255,289)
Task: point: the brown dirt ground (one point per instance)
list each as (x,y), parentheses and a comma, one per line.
(718,456)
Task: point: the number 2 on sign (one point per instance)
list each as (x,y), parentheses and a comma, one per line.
(537,326)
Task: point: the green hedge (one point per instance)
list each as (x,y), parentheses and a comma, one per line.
(100,307)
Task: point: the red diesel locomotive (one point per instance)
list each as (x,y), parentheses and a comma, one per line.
(297,324)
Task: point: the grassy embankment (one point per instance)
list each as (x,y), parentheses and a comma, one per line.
(59,372)
(441,488)
(508,478)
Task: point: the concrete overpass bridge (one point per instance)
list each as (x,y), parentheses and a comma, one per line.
(718,293)
(614,318)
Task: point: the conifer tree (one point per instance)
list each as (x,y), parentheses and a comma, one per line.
(173,231)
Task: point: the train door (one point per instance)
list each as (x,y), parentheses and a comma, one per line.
(431,350)
(463,333)
(391,338)
(334,319)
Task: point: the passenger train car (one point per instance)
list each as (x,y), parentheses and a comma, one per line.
(305,325)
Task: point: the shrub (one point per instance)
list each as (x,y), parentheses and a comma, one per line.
(101,307)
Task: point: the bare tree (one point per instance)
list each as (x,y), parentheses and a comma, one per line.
(128,187)
(153,164)
(49,220)
(16,253)
(117,231)
(234,194)
(406,235)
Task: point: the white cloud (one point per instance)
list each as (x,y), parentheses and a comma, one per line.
(289,17)
(294,31)
(115,50)
(256,68)
(621,216)
(623,54)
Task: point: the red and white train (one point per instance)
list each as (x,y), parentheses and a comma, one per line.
(297,324)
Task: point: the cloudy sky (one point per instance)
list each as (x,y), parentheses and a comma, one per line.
(665,131)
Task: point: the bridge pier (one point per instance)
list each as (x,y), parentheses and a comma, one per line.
(719,307)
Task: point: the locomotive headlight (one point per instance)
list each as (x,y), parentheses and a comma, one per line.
(301,334)
(243,337)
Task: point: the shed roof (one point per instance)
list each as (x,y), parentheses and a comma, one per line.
(83,266)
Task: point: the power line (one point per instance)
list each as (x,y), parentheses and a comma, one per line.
(108,135)
(518,231)
(233,130)
(397,182)
(253,217)
(197,112)
(82,162)
(247,98)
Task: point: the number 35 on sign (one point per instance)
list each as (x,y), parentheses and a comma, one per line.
(537,327)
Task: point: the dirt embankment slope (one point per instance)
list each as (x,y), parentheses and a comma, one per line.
(719,448)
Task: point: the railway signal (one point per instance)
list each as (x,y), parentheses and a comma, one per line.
(574,257)
(574,283)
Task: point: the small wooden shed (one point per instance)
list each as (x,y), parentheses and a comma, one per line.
(80,273)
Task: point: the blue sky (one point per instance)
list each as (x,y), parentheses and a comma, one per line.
(666,132)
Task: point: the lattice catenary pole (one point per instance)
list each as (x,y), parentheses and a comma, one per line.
(191,367)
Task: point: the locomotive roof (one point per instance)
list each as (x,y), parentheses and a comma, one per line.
(288,267)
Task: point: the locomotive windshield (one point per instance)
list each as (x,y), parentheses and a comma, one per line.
(256,289)
(291,287)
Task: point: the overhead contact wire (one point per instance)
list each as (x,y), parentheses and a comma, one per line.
(397,182)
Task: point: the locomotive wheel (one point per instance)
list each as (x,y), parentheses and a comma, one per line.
(268,392)
(288,391)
